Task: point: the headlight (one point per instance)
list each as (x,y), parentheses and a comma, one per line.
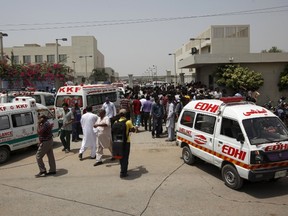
(257,157)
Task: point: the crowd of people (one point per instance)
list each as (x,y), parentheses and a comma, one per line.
(142,108)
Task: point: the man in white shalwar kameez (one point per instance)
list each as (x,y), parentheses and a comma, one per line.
(104,136)
(170,121)
(88,120)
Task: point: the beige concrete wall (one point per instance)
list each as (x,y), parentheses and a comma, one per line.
(270,72)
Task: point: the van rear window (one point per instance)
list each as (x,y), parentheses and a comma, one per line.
(4,122)
(22,119)
(187,119)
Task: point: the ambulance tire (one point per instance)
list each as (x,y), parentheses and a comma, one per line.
(231,177)
(4,154)
(187,155)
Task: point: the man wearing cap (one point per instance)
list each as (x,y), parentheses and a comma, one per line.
(126,148)
(45,147)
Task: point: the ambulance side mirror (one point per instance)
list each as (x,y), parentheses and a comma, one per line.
(240,138)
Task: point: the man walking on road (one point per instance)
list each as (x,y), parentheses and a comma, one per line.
(45,147)
(104,138)
(66,130)
(124,161)
(88,120)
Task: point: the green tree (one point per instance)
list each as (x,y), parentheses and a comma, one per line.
(273,49)
(99,74)
(237,77)
(283,79)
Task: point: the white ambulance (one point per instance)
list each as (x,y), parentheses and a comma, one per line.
(86,95)
(18,125)
(45,98)
(244,140)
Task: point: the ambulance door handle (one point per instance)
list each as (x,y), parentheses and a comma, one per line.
(220,142)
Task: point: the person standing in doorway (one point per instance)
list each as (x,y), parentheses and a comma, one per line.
(65,135)
(88,120)
(45,147)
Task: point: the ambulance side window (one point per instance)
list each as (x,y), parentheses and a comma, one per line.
(230,128)
(4,122)
(205,123)
(49,100)
(22,119)
(188,119)
(37,98)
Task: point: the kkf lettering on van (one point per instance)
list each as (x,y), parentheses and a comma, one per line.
(207,107)
(2,108)
(18,106)
(71,89)
(231,151)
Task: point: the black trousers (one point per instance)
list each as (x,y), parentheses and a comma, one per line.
(147,120)
(65,138)
(125,159)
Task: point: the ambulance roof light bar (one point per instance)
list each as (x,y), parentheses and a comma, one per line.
(231,99)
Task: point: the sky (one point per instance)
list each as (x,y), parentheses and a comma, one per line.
(134,35)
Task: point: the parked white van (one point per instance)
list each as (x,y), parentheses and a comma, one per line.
(45,98)
(244,140)
(84,95)
(18,125)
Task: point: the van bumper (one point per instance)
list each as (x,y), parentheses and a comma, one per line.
(260,175)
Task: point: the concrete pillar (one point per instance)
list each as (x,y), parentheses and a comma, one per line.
(182,78)
(130,80)
(168,76)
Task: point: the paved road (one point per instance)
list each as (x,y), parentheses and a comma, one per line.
(158,184)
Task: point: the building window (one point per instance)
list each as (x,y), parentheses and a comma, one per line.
(15,59)
(63,58)
(26,59)
(218,32)
(38,58)
(51,58)
(230,32)
(242,32)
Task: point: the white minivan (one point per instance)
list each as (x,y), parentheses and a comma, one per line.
(18,125)
(45,98)
(244,140)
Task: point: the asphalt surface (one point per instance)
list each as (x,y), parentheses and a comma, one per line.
(158,184)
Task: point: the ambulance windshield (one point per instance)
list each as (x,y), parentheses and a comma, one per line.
(265,130)
(69,99)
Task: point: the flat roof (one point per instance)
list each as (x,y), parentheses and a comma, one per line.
(200,60)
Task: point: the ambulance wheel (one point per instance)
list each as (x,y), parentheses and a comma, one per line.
(231,177)
(4,154)
(187,155)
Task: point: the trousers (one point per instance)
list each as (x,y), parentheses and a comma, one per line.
(46,148)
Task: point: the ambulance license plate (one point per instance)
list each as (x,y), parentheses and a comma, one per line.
(280,174)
